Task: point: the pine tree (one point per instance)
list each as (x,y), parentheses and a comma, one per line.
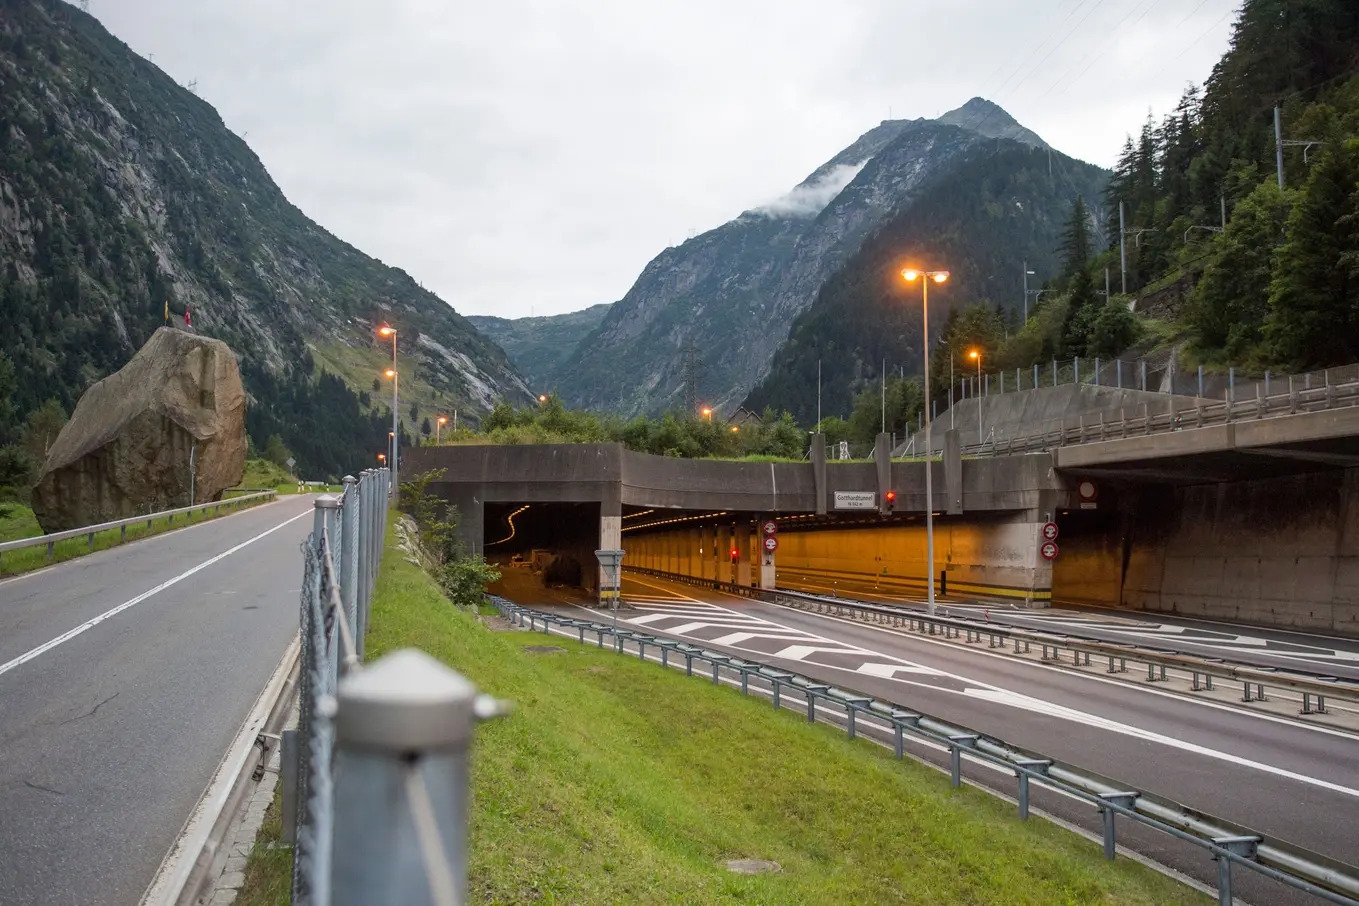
(1080,288)
(1314,296)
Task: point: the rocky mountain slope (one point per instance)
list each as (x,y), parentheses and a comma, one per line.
(999,208)
(122,192)
(708,315)
(537,346)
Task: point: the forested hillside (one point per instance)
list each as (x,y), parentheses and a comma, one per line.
(122,194)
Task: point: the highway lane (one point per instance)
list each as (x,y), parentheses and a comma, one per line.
(111,729)
(1287,780)
(1297,650)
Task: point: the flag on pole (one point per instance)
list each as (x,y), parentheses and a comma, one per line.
(186,316)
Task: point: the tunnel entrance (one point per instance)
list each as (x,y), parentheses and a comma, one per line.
(553,542)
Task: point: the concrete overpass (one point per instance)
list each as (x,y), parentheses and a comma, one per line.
(687,515)
(1218,511)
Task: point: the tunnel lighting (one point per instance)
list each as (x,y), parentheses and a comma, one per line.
(640,513)
(510,520)
(675,520)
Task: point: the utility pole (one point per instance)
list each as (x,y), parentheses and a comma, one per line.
(1122,248)
(1278,146)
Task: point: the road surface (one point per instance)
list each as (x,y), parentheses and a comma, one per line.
(1283,648)
(124,677)
(1291,781)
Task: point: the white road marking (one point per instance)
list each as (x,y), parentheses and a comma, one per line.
(802,652)
(890,671)
(1004,696)
(109,614)
(737,638)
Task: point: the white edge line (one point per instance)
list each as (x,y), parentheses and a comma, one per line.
(193,847)
(1149,862)
(132,602)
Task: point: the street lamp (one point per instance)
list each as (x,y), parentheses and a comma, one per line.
(388,331)
(976,354)
(438,424)
(938,277)
(542,397)
(707,413)
(1027,274)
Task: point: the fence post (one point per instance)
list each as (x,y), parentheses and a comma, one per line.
(1144,374)
(349,559)
(1035,375)
(1054,372)
(402,731)
(1118,373)
(1096,371)
(1076,371)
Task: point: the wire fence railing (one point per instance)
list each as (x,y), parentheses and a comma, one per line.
(375,775)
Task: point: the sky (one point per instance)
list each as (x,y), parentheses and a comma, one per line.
(524,157)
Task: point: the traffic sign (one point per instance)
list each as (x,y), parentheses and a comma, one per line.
(1049,531)
(1048,550)
(771,544)
(1087,490)
(290,462)
(770,527)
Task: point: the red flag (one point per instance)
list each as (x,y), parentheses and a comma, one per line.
(186,315)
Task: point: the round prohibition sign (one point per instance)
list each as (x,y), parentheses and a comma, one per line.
(770,527)
(1049,531)
(771,544)
(1048,550)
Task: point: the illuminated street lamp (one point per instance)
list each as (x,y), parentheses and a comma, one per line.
(542,397)
(707,413)
(976,354)
(388,331)
(439,423)
(735,428)
(911,276)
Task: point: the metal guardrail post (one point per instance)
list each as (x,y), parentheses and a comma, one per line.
(402,728)
(1244,846)
(1122,800)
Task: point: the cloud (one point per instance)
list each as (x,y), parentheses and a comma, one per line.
(523,154)
(811,198)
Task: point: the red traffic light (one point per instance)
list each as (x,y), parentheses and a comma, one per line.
(891,496)
(735,555)
(889,501)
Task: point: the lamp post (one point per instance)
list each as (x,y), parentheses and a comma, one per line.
(387,331)
(438,425)
(925,277)
(707,414)
(976,354)
(391,442)
(1027,274)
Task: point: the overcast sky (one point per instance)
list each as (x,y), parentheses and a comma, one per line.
(521,156)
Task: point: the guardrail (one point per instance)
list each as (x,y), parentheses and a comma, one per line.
(89,531)
(1203,413)
(1228,843)
(1254,678)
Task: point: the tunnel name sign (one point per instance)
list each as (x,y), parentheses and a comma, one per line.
(856,500)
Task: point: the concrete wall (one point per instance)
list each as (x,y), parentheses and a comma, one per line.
(1282,551)
(1044,409)
(1278,551)
(993,557)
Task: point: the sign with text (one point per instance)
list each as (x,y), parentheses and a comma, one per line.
(856,500)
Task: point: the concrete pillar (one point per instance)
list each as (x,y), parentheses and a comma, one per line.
(767,575)
(742,545)
(610,538)
(723,545)
(708,564)
(819,471)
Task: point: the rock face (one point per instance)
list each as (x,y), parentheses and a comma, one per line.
(127,447)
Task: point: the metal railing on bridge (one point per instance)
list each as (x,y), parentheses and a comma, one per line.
(1294,397)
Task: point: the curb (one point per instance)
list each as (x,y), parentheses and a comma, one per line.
(184,873)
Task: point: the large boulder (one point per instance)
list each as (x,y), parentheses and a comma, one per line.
(126,450)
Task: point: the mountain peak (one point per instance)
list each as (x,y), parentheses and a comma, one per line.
(987,118)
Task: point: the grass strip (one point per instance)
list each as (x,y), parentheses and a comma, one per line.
(618,782)
(20,518)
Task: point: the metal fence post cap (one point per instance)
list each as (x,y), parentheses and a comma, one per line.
(405,701)
(328,502)
(349,479)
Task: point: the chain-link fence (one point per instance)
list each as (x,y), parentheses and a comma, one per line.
(375,775)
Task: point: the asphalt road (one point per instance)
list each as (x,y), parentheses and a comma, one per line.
(1284,779)
(109,735)
(1236,642)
